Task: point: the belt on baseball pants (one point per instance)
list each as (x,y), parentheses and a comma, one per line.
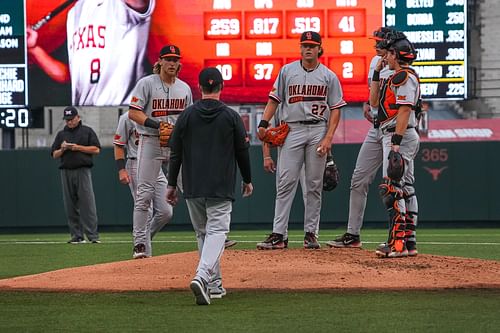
(393,129)
(308,122)
(150,135)
(132,158)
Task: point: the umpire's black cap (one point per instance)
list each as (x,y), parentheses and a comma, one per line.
(210,77)
(70,112)
(310,37)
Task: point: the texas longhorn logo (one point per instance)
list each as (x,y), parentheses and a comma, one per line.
(435,173)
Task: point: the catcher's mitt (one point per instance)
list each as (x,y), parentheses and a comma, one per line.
(331,176)
(276,136)
(165,131)
(396,165)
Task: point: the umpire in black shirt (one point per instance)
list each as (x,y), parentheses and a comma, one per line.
(75,145)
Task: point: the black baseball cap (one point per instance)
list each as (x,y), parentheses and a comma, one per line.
(70,112)
(170,51)
(310,37)
(210,77)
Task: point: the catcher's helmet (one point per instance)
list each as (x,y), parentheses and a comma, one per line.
(404,49)
(380,36)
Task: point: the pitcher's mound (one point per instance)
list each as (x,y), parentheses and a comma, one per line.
(295,269)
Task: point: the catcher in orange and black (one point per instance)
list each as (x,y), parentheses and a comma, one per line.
(396,99)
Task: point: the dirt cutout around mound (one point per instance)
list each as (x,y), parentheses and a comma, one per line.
(292,269)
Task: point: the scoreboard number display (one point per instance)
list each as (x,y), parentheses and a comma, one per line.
(438,31)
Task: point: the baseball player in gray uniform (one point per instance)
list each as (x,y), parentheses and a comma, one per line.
(369,157)
(157,97)
(311,98)
(126,140)
(396,101)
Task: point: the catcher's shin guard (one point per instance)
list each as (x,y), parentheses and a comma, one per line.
(411,216)
(391,194)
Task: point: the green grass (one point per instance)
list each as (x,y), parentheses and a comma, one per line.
(251,311)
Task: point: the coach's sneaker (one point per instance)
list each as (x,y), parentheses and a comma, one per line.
(229,243)
(140,251)
(273,242)
(346,240)
(217,292)
(200,290)
(412,248)
(77,240)
(311,241)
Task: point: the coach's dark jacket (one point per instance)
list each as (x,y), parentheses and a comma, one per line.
(208,140)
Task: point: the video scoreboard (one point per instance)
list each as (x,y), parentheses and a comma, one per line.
(438,29)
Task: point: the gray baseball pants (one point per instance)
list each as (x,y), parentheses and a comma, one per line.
(211,220)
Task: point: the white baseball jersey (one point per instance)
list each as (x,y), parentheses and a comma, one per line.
(306,95)
(107,43)
(160,101)
(126,135)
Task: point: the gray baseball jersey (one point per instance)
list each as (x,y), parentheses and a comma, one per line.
(306,95)
(159,100)
(126,136)
(107,42)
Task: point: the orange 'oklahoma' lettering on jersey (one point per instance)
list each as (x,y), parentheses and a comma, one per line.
(307,90)
(165,103)
(89,36)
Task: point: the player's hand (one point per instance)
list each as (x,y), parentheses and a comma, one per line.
(269,165)
(261,133)
(172,197)
(123,176)
(31,38)
(395,148)
(380,64)
(367,112)
(324,147)
(246,189)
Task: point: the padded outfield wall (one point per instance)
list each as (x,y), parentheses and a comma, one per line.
(456,182)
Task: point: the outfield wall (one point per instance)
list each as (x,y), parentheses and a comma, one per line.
(456,182)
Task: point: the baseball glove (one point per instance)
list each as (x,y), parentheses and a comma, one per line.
(165,131)
(276,136)
(331,176)
(396,165)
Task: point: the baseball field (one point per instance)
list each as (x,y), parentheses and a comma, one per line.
(453,285)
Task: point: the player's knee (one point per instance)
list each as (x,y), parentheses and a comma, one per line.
(390,192)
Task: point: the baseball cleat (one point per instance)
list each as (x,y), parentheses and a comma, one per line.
(386,251)
(77,240)
(200,291)
(217,292)
(346,240)
(228,243)
(139,251)
(311,241)
(273,242)
(411,246)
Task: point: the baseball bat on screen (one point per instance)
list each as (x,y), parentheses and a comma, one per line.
(50,15)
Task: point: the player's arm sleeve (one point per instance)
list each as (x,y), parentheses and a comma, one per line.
(136,13)
(241,145)
(121,135)
(277,93)
(176,147)
(335,94)
(93,139)
(405,94)
(140,95)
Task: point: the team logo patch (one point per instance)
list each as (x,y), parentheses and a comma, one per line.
(401,97)
(134,99)
(172,49)
(118,137)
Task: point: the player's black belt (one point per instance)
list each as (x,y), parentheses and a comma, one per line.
(150,135)
(393,129)
(309,122)
(132,158)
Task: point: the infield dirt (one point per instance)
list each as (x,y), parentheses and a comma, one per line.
(291,269)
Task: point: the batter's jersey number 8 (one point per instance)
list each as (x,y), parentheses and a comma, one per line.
(95,70)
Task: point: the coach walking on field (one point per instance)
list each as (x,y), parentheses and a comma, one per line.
(209,140)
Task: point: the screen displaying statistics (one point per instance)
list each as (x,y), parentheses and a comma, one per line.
(438,30)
